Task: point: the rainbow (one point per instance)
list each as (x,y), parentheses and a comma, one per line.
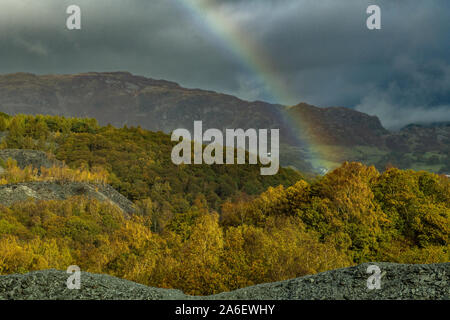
(255,60)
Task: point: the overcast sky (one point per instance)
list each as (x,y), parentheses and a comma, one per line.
(319,50)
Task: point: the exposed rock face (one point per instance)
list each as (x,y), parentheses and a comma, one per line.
(398,281)
(13,193)
(423,138)
(24,158)
(424,282)
(340,126)
(52,285)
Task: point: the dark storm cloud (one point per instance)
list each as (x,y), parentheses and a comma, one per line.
(320,49)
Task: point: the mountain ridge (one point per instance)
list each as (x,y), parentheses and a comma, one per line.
(121,98)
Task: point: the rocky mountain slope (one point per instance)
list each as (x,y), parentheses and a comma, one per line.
(121,98)
(398,282)
(339,126)
(53,190)
(14,193)
(35,158)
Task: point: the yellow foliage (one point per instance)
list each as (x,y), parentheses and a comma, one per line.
(14,174)
(21,256)
(352,215)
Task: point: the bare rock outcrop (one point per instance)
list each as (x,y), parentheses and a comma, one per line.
(398,282)
(13,193)
(35,158)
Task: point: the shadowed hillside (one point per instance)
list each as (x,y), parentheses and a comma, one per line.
(120,98)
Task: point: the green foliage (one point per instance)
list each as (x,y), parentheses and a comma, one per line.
(138,162)
(13,174)
(206,229)
(364,213)
(352,215)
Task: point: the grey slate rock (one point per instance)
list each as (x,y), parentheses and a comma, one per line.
(399,282)
(49,190)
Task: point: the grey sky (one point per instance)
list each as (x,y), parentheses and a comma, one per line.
(320,50)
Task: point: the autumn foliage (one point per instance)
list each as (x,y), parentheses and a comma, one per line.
(14,174)
(205,242)
(352,215)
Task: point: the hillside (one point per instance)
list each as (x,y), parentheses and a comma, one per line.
(16,193)
(352,215)
(33,174)
(198,228)
(120,98)
(137,162)
(34,158)
(399,282)
(339,126)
